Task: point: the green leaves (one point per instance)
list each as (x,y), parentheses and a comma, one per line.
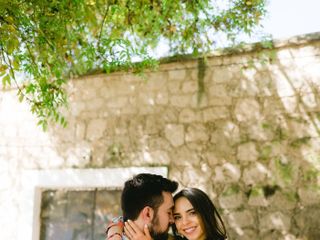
(6,80)
(50,41)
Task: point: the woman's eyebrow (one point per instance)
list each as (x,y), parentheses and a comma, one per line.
(189,210)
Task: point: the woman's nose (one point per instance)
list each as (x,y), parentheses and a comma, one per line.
(185,220)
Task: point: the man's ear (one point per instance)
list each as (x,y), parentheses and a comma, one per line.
(147,214)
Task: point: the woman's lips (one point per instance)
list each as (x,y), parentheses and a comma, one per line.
(189,230)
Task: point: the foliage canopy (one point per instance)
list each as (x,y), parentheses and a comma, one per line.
(44,43)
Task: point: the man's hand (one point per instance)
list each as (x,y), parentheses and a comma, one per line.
(134,233)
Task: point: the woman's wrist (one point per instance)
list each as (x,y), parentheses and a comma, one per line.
(114,231)
(114,236)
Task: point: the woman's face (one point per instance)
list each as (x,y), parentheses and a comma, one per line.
(187,220)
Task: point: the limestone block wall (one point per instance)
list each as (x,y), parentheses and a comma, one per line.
(251,139)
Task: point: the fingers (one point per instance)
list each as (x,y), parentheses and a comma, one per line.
(133,232)
(130,233)
(133,226)
(146,231)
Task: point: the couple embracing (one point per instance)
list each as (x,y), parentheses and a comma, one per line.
(149,209)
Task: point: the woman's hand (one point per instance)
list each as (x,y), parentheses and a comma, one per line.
(134,233)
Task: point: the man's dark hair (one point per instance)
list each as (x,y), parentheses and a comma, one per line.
(144,190)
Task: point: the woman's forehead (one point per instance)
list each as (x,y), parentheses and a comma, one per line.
(182,204)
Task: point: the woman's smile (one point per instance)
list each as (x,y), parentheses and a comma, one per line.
(187,220)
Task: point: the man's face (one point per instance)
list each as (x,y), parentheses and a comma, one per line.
(161,222)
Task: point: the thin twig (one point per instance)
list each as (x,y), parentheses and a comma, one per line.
(9,63)
(102,24)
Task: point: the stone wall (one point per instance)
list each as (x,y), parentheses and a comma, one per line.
(251,139)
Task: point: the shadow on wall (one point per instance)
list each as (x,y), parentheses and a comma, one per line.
(252,143)
(255,135)
(279,113)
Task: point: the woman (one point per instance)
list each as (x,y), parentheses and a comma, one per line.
(195,218)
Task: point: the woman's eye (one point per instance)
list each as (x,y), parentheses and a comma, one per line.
(176,217)
(193,213)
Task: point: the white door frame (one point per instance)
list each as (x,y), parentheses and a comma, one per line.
(34,181)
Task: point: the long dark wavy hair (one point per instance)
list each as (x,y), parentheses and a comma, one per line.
(213,225)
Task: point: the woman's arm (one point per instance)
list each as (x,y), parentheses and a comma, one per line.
(114,229)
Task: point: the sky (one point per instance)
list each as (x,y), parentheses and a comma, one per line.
(288,18)
(284,19)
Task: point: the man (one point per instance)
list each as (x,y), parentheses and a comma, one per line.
(147,201)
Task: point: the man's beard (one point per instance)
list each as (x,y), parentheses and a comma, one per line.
(157,235)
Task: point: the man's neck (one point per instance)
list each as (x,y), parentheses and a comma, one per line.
(140,223)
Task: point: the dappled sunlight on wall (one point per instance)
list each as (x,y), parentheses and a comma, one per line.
(246,132)
(21,135)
